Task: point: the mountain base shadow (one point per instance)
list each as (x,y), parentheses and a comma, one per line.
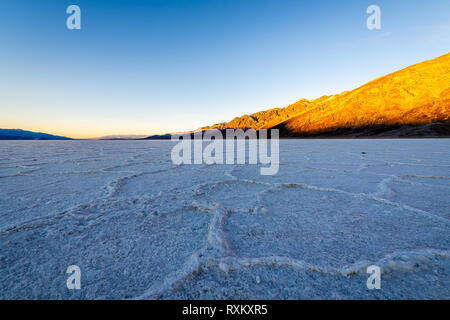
(429,130)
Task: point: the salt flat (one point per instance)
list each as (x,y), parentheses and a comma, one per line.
(140,227)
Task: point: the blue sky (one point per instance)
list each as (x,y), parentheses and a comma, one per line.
(144,67)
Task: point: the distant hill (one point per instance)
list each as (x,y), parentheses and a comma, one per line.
(159,137)
(413,102)
(123,137)
(18,134)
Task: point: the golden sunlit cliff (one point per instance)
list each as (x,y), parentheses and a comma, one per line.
(417,96)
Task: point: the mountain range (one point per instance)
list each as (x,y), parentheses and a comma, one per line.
(18,134)
(414,101)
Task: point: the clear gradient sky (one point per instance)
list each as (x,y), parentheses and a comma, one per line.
(145,67)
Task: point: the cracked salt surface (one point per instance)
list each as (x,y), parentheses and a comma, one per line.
(140,227)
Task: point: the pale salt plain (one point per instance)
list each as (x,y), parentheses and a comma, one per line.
(141,228)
